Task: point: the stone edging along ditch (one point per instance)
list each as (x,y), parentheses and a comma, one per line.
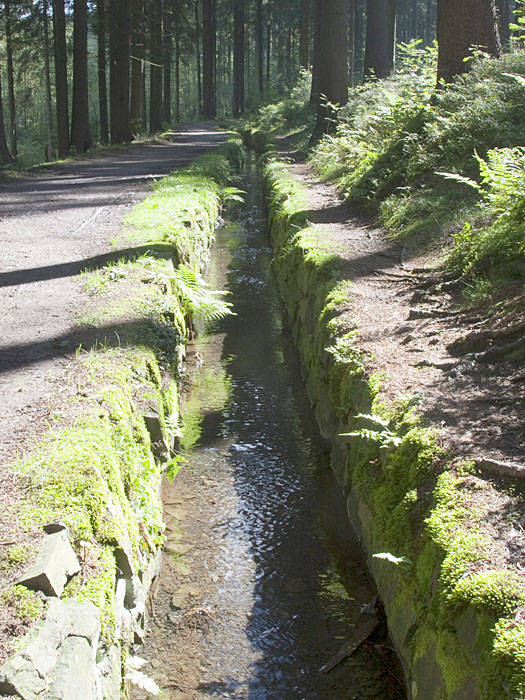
(94,483)
(453,618)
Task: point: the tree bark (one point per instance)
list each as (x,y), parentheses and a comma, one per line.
(314,92)
(333,57)
(304,37)
(10,80)
(80,135)
(391,30)
(259,46)
(138,56)
(50,145)
(102,72)
(167,42)
(460,26)
(378,62)
(238,58)
(155,68)
(59,24)
(198,58)
(119,45)
(177,78)
(5,155)
(208,59)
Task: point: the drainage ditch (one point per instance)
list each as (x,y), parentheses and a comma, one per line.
(264,592)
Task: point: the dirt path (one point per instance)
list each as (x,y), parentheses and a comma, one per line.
(53,226)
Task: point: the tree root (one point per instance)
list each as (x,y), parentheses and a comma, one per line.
(477,340)
(499,353)
(510,470)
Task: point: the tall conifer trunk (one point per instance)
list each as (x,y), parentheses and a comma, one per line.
(50,145)
(461,25)
(238,58)
(10,80)
(208,59)
(102,72)
(304,37)
(138,55)
(80,135)
(259,45)
(378,61)
(333,56)
(155,74)
(167,43)
(59,25)
(119,45)
(5,155)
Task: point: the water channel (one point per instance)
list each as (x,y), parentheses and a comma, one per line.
(263,579)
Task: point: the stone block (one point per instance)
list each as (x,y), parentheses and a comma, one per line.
(75,674)
(55,563)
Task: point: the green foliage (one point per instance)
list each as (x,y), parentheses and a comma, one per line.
(385,436)
(198,301)
(293,112)
(26,604)
(502,189)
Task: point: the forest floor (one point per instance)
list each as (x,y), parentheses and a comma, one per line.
(56,222)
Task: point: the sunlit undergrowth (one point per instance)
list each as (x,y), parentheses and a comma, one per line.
(398,136)
(292,116)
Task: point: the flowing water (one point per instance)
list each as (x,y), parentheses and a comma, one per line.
(263,579)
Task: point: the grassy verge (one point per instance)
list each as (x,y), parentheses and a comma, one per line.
(99,467)
(453,595)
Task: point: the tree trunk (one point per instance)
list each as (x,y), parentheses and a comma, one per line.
(314,93)
(5,155)
(155,68)
(177,79)
(198,58)
(391,29)
(238,58)
(378,61)
(50,145)
(304,37)
(461,25)
(351,41)
(333,68)
(358,51)
(80,135)
(102,79)
(208,59)
(259,46)
(10,80)
(504,21)
(59,24)
(167,41)
(268,51)
(429,38)
(138,56)
(119,44)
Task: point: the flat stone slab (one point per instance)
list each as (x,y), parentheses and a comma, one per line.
(55,563)
(28,673)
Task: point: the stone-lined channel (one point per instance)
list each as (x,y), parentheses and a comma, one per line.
(263,579)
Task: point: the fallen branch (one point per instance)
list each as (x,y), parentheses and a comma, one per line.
(360,635)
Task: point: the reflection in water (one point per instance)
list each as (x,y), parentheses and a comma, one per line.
(290,575)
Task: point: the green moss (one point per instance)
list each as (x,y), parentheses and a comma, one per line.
(26,604)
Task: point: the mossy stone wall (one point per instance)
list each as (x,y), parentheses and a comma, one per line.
(451,623)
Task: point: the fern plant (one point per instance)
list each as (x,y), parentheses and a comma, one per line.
(382,435)
(197,299)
